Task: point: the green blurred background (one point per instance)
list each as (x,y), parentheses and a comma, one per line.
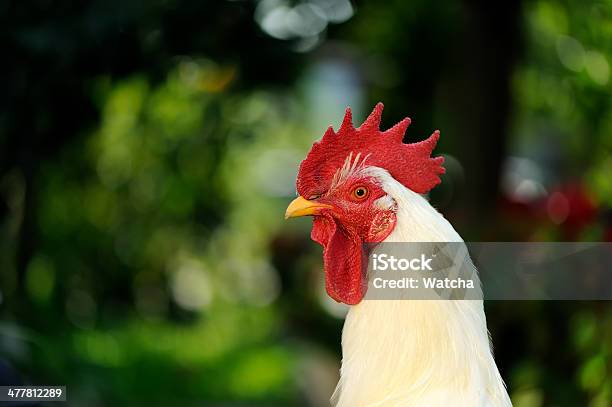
(148,151)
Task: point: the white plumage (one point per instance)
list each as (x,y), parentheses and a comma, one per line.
(420,352)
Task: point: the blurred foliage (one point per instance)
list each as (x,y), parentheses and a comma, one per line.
(139,236)
(563,91)
(148,153)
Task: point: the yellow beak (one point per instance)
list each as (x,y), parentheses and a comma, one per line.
(302,207)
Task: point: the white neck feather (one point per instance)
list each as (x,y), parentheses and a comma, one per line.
(417,353)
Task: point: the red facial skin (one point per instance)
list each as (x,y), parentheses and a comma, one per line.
(343,230)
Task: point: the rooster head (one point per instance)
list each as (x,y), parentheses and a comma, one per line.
(337,186)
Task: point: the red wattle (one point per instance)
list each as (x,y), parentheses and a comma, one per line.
(345,279)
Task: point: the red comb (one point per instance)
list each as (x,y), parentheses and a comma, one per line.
(410,164)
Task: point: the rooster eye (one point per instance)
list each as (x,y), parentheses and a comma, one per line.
(360,192)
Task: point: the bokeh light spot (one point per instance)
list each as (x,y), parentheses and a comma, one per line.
(597,67)
(40,278)
(190,286)
(570,52)
(558,207)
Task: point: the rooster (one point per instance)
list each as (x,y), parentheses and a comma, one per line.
(363,185)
